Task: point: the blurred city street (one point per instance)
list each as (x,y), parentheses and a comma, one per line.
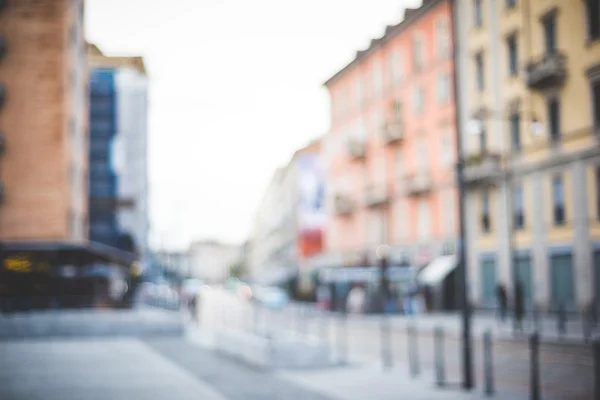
(101,356)
(320,200)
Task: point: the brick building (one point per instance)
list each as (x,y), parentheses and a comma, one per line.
(43,78)
(46,258)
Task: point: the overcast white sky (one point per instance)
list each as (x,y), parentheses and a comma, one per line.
(235,90)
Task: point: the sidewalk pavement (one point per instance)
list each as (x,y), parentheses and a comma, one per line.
(95,369)
(451,323)
(365,380)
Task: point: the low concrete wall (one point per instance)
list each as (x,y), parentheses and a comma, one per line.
(90,323)
(278,351)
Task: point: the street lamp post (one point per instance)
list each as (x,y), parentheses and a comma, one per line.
(466,340)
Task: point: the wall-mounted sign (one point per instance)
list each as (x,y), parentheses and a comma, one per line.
(18,263)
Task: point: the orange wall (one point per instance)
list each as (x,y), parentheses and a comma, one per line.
(351,230)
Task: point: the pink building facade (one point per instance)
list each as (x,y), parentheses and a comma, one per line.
(391,149)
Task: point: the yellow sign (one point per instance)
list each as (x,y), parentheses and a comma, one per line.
(136,268)
(18,263)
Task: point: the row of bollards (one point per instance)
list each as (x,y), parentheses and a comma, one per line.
(299,319)
(440,365)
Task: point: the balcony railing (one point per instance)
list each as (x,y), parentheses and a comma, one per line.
(344,204)
(482,167)
(392,132)
(549,71)
(357,148)
(418,183)
(376,195)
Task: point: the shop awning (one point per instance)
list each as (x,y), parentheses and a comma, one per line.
(437,270)
(69,252)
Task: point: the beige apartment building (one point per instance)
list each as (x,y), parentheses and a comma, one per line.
(529,98)
(43,120)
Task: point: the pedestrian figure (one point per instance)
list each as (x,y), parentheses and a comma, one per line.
(519,305)
(502,299)
(194,307)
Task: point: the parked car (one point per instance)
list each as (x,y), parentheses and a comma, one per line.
(271,297)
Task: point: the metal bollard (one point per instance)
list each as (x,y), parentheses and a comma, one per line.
(343,338)
(488,363)
(324,327)
(536,319)
(562,322)
(302,321)
(256,318)
(440,372)
(587,324)
(596,355)
(386,343)
(534,353)
(413,351)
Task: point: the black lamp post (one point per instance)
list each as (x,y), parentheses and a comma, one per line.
(466,342)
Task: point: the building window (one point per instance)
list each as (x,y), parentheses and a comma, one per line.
(596,105)
(101,189)
(421,160)
(593,19)
(479,67)
(597,193)
(513,55)
(441,34)
(396,67)
(402,213)
(418,52)
(519,208)
(359,90)
(447,147)
(419,99)
(478,13)
(515,131)
(553,106)
(424,222)
(558,200)
(486,223)
(448,210)
(443,87)
(377,79)
(397,110)
(400,163)
(511,3)
(483,140)
(549,24)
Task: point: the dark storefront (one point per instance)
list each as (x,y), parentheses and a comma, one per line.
(58,274)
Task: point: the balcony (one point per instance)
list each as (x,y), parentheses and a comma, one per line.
(481,167)
(376,195)
(357,148)
(547,72)
(418,183)
(344,205)
(392,132)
